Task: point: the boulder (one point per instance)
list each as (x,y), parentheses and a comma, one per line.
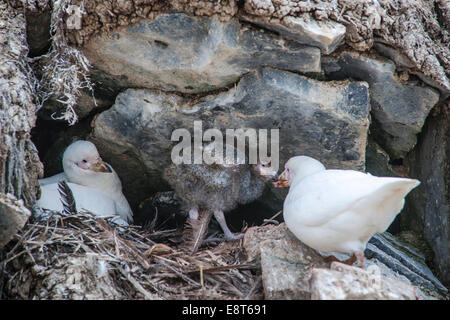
(292,270)
(399,109)
(184,53)
(325,120)
(286,263)
(427,211)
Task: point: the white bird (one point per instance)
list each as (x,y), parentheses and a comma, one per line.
(95,185)
(339,210)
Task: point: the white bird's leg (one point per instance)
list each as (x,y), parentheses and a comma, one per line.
(223,224)
(360,259)
(193,214)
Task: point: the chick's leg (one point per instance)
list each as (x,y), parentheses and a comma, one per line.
(223,224)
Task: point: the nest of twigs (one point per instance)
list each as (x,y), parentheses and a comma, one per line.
(80,256)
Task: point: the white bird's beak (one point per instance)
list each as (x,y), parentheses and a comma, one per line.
(99,166)
(282,181)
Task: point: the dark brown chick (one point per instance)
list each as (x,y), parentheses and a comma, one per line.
(208,190)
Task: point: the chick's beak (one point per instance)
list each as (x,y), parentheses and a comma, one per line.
(99,166)
(282,181)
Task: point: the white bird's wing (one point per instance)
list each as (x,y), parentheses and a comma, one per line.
(85,198)
(123,208)
(325,196)
(53,179)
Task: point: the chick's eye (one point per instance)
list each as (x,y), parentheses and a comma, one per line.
(84,160)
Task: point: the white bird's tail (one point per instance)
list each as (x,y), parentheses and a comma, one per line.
(386,201)
(391,199)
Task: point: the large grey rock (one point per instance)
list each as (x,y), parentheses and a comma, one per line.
(325,120)
(292,270)
(326,35)
(179,52)
(428,209)
(399,110)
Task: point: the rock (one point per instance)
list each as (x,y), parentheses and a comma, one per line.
(403,61)
(377,160)
(326,35)
(325,120)
(286,263)
(403,260)
(179,52)
(13,216)
(427,210)
(343,282)
(399,110)
(292,270)
(400,59)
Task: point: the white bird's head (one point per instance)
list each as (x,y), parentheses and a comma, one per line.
(296,169)
(81,158)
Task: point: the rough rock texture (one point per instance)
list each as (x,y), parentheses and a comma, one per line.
(410,26)
(343,282)
(399,110)
(377,160)
(326,120)
(417,29)
(287,266)
(413,27)
(326,35)
(100,17)
(428,208)
(178,52)
(403,260)
(286,263)
(13,216)
(19,164)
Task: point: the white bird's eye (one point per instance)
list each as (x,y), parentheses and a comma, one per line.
(84,160)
